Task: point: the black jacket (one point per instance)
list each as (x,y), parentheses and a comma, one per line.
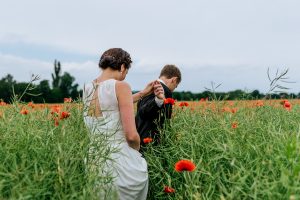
(150,118)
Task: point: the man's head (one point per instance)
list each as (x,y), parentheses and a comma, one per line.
(171,75)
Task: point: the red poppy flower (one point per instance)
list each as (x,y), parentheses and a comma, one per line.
(185,165)
(168,189)
(55,109)
(147,140)
(24,111)
(283,101)
(202,99)
(64,115)
(2,103)
(67,100)
(234,125)
(169,101)
(30,104)
(287,105)
(259,103)
(226,109)
(183,104)
(234,110)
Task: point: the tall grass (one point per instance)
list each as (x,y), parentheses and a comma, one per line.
(260,159)
(41,160)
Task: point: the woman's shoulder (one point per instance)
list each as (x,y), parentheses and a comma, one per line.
(122,89)
(122,85)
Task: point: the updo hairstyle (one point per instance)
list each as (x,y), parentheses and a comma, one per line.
(114,58)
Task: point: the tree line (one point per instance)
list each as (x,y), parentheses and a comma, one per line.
(232,95)
(64,86)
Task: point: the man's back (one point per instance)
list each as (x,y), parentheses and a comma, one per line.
(150,117)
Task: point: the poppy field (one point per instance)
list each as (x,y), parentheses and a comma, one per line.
(44,153)
(228,150)
(208,150)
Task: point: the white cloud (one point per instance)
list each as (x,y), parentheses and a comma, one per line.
(22,69)
(230,42)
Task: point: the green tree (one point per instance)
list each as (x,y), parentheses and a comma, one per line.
(56,78)
(255,94)
(236,94)
(67,86)
(19,89)
(62,85)
(6,85)
(44,89)
(55,96)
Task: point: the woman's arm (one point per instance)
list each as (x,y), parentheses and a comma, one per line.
(153,86)
(146,91)
(137,96)
(124,96)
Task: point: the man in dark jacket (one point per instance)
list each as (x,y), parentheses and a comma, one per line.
(152,111)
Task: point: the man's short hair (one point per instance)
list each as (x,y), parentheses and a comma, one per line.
(170,71)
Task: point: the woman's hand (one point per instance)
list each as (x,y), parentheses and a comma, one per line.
(148,89)
(152,87)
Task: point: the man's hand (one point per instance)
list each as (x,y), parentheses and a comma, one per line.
(159,90)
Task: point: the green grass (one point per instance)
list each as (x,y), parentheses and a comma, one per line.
(39,160)
(260,159)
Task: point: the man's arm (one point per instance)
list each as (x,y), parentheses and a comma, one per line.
(148,108)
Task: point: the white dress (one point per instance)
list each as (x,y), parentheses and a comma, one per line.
(129,167)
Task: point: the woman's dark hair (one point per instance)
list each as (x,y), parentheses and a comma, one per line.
(114,58)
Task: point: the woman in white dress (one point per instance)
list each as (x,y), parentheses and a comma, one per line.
(110,99)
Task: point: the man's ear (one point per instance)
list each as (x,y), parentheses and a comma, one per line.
(174,79)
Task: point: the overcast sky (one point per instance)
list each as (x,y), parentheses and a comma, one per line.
(232,42)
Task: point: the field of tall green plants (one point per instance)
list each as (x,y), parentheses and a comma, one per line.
(241,150)
(44,154)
